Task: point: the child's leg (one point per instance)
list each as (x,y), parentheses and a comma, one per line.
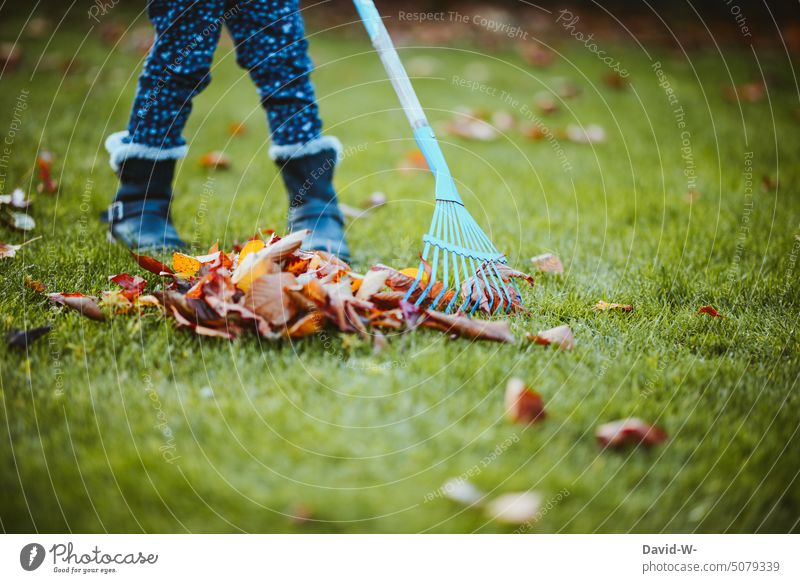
(176,70)
(270,44)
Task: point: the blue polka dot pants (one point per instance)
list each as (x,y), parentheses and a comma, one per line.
(270,45)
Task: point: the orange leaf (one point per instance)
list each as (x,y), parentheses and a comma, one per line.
(307,325)
(185,264)
(216,160)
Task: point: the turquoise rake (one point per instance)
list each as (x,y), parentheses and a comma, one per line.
(454,242)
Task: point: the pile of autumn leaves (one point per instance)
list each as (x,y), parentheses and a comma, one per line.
(273,288)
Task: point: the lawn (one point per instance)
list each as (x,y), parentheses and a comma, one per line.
(135,425)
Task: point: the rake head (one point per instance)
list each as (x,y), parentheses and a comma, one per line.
(460,269)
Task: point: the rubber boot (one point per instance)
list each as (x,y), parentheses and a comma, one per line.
(139,217)
(312,201)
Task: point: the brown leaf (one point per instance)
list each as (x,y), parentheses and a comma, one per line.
(461,325)
(523,405)
(710,311)
(603,306)
(267,298)
(548,263)
(631,431)
(86,305)
(34,285)
(560,336)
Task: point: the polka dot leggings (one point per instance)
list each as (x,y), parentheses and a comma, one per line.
(270,44)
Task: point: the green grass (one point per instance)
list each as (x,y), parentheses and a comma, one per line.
(358,440)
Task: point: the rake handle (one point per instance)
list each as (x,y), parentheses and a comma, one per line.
(423,133)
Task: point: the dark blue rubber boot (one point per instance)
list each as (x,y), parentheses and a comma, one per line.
(312,201)
(139,216)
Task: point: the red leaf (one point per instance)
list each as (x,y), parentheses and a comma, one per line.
(626,432)
(133,285)
(710,311)
(151,265)
(522,404)
(45,165)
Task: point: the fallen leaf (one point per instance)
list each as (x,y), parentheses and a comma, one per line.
(24,338)
(710,311)
(307,325)
(216,160)
(8,250)
(34,285)
(462,491)
(152,265)
(17,199)
(461,325)
(631,431)
(515,507)
(86,305)
(116,301)
(185,265)
(44,163)
(603,306)
(372,283)
(413,160)
(523,405)
(565,88)
(10,56)
(375,199)
(464,126)
(267,298)
(536,55)
(750,92)
(237,128)
(132,285)
(252,246)
(591,134)
(616,81)
(560,336)
(548,263)
(545,102)
(20,221)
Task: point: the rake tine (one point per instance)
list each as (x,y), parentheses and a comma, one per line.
(453,231)
(432,278)
(477,243)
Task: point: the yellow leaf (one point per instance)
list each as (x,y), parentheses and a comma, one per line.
(250,247)
(185,264)
(412,273)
